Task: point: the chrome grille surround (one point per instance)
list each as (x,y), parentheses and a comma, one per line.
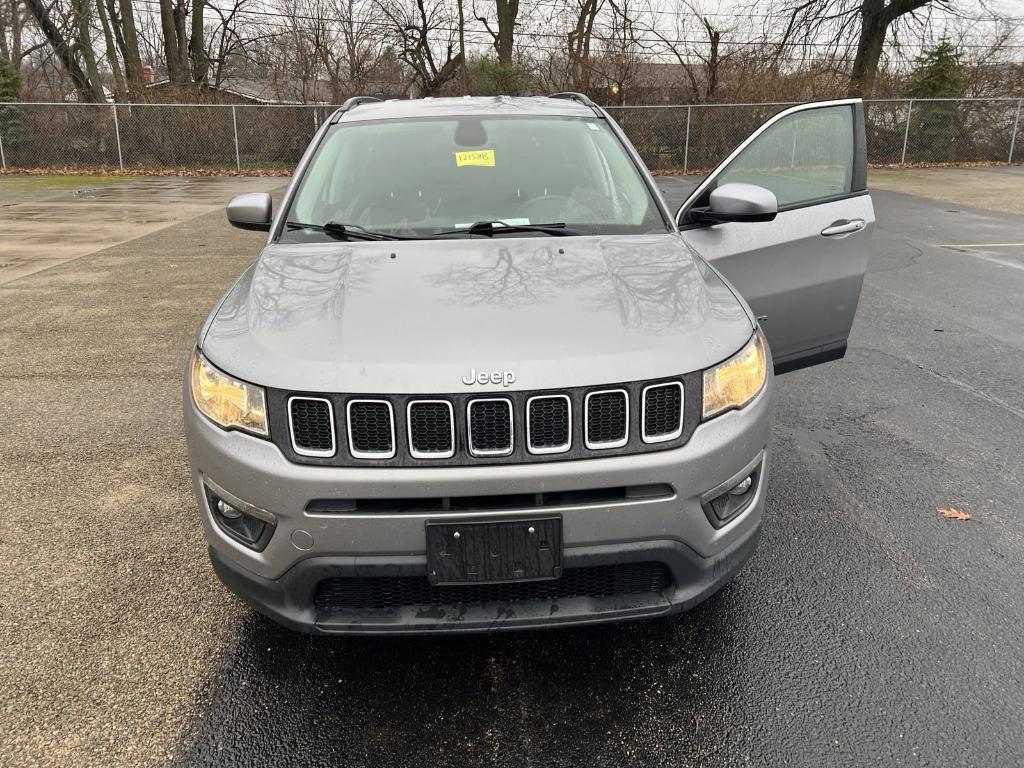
(661,438)
(607,444)
(291,427)
(418,454)
(555,448)
(351,442)
(469,427)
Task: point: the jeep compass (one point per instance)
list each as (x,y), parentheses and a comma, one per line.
(481,378)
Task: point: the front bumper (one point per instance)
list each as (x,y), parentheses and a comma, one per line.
(305,548)
(289,599)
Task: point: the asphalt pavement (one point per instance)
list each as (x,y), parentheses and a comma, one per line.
(868,629)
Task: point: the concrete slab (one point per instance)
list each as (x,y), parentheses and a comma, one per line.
(39,231)
(996,189)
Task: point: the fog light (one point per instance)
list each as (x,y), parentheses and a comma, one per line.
(227,510)
(742,486)
(240,521)
(729,500)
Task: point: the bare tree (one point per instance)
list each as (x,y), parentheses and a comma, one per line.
(62,40)
(293,51)
(624,47)
(81,12)
(172,26)
(333,43)
(122,16)
(583,14)
(427,41)
(359,25)
(838,25)
(701,62)
(197,44)
(506,12)
(314,50)
(120,89)
(233,38)
(994,70)
(876,16)
(15,17)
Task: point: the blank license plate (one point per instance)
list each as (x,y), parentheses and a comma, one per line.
(481,553)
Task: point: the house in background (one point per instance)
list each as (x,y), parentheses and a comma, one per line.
(275,89)
(229,90)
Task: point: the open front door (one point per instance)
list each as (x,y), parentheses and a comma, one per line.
(801,271)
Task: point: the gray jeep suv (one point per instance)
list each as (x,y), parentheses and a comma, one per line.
(481,378)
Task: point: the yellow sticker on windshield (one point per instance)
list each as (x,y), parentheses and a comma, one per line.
(476,157)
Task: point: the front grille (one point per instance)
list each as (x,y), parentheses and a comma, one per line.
(311,425)
(549,424)
(371,429)
(431,429)
(383,592)
(483,428)
(607,419)
(663,412)
(490,427)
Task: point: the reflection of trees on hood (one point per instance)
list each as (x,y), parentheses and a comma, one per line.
(656,292)
(514,279)
(291,288)
(653,290)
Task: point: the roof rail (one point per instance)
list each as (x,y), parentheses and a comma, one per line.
(579,98)
(582,98)
(352,103)
(355,101)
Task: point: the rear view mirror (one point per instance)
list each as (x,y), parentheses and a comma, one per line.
(253,210)
(738,202)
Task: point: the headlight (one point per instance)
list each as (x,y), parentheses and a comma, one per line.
(226,401)
(737,381)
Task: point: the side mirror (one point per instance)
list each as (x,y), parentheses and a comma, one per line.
(253,210)
(736,201)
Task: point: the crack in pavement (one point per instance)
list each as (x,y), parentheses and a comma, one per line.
(969,388)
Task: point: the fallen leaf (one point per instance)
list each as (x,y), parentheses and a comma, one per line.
(954,514)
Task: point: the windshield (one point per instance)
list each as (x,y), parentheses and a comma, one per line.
(428,176)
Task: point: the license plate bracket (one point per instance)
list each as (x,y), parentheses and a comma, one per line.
(491,552)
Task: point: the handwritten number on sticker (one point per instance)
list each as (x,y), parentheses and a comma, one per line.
(479,157)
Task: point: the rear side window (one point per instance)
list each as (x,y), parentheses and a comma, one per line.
(803,158)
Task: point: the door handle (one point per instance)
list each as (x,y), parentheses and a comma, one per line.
(843,227)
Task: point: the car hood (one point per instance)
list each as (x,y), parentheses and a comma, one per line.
(419,316)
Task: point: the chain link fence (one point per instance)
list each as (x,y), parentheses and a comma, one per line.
(156,136)
(899,132)
(671,137)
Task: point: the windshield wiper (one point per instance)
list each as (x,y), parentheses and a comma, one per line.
(336,229)
(489,228)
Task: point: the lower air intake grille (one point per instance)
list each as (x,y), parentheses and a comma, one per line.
(490,427)
(663,411)
(312,426)
(430,429)
(380,592)
(371,429)
(607,419)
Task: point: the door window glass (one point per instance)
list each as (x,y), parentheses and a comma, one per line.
(802,158)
